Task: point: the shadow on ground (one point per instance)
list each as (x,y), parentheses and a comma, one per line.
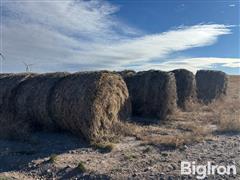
(16,155)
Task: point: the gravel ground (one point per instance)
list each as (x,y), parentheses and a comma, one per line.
(129,159)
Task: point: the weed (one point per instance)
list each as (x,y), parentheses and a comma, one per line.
(130,156)
(81,167)
(53,158)
(104,147)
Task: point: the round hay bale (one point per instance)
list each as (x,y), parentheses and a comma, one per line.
(126,73)
(8,127)
(88,103)
(211,85)
(8,82)
(2,75)
(31,100)
(153,94)
(186,87)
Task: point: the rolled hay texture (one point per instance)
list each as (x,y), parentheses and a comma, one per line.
(152,93)
(186,87)
(31,100)
(126,73)
(8,82)
(88,103)
(8,127)
(211,85)
(2,75)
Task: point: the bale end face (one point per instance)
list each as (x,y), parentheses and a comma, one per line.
(126,73)
(153,94)
(89,103)
(211,85)
(186,87)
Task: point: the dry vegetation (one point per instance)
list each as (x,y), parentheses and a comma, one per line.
(229,110)
(199,123)
(129,148)
(179,129)
(229,123)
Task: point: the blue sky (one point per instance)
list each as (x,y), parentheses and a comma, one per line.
(119,34)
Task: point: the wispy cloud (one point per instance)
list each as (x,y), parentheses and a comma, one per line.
(80,35)
(194,64)
(149,47)
(71,17)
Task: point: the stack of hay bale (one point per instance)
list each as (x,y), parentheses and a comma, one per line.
(86,104)
(152,93)
(211,85)
(90,103)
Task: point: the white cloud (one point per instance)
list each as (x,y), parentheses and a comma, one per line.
(71,17)
(67,35)
(149,47)
(194,64)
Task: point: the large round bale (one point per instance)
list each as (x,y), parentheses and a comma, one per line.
(186,87)
(211,85)
(89,103)
(31,100)
(126,73)
(2,75)
(8,127)
(153,94)
(8,82)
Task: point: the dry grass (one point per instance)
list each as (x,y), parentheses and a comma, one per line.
(229,123)
(170,141)
(104,147)
(228,110)
(126,129)
(194,134)
(130,156)
(116,132)
(185,128)
(5,178)
(198,130)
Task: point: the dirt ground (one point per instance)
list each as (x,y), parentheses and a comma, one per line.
(205,133)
